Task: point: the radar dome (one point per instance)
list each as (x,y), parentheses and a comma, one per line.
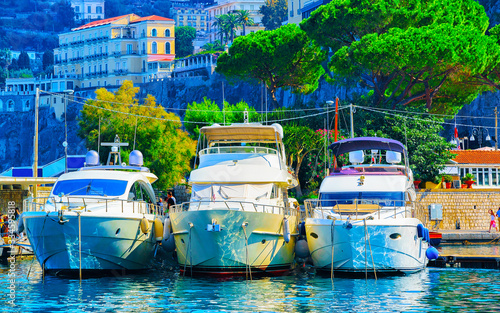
(92,158)
(135,158)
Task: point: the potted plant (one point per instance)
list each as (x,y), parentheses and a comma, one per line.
(416,180)
(469,180)
(448,179)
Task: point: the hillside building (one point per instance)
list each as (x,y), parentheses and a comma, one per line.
(107,52)
(88,10)
(230,6)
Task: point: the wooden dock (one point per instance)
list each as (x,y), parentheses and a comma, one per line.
(467,261)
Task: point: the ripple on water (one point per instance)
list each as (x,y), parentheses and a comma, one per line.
(157,291)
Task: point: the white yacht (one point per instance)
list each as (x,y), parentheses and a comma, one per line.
(98,219)
(239,220)
(366,220)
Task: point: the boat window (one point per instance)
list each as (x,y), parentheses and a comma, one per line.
(227,192)
(90,187)
(145,195)
(390,198)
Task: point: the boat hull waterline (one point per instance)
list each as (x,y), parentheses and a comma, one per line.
(389,247)
(224,252)
(108,243)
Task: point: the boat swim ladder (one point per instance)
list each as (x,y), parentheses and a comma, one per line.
(248,269)
(188,252)
(371,253)
(332,237)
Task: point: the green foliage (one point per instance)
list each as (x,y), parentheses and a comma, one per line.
(208,112)
(213,46)
(274,12)
(23,62)
(47,59)
(184,36)
(283,58)
(468,177)
(166,148)
(22,73)
(427,151)
(418,51)
(65,15)
(300,141)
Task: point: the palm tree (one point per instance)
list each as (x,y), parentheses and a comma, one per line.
(244,19)
(220,25)
(232,22)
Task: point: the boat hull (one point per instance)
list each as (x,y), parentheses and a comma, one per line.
(224,252)
(390,247)
(108,243)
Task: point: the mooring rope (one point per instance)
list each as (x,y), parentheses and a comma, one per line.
(188,252)
(248,269)
(332,237)
(371,253)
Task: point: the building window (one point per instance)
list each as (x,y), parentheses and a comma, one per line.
(181,24)
(167,32)
(202,18)
(167,48)
(202,24)
(89,9)
(154,48)
(10,105)
(181,18)
(189,24)
(98,10)
(153,32)
(143,48)
(77,9)
(117,82)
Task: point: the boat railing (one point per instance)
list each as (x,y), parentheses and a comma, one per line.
(82,204)
(233,205)
(361,208)
(238,149)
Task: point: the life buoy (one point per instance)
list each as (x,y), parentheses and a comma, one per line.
(158,227)
(286,230)
(144,225)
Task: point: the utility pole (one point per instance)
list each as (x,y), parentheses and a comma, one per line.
(352,121)
(35,161)
(496,129)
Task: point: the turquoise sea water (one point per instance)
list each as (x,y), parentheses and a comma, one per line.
(164,290)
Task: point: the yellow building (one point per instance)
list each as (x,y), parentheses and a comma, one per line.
(107,52)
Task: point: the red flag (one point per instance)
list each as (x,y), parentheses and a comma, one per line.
(456,138)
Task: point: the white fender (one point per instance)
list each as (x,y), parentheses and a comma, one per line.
(286,230)
(167,226)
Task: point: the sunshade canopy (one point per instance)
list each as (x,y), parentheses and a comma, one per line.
(243,132)
(366,143)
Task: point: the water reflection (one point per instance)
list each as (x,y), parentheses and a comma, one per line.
(303,291)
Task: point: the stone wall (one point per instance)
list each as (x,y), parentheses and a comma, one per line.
(469,205)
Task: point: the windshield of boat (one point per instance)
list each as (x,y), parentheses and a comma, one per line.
(90,187)
(388,198)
